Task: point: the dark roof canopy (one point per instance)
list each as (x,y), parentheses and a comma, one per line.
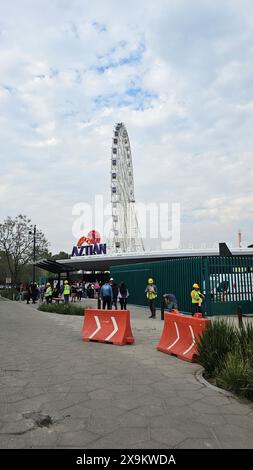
(53,266)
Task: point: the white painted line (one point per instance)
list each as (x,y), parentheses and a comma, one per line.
(177,339)
(193,341)
(98,327)
(114,331)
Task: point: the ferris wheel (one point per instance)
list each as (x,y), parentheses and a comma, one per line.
(126,234)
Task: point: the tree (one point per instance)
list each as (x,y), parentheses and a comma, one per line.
(4,270)
(61,255)
(17,244)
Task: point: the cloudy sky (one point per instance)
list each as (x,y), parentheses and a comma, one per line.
(178,73)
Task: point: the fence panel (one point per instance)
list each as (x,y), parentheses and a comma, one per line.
(171,276)
(230,284)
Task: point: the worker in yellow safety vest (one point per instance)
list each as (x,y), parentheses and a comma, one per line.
(151,293)
(66,292)
(48,293)
(197,299)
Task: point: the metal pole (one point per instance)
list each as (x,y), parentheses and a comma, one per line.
(162,308)
(34,251)
(239,315)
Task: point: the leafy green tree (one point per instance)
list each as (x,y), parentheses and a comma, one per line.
(16,244)
(61,255)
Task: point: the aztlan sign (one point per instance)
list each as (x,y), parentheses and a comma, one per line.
(89,245)
(96,249)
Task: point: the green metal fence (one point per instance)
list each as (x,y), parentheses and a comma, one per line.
(229,284)
(175,276)
(226,281)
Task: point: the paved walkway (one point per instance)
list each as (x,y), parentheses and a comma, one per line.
(57,391)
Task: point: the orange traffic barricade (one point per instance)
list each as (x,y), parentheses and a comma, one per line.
(179,335)
(107,326)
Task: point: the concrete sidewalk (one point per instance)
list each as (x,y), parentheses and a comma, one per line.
(57,391)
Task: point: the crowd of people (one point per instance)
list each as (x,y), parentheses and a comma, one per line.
(39,292)
(108,293)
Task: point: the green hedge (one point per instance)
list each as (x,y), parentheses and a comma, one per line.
(226,353)
(61,308)
(8,293)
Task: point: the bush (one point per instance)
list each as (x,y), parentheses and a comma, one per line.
(217,341)
(236,376)
(8,293)
(245,341)
(226,353)
(61,308)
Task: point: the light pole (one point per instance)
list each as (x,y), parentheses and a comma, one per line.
(34,249)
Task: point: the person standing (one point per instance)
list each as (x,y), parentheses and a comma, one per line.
(42,292)
(34,292)
(151,292)
(97,289)
(66,292)
(73,292)
(79,292)
(28,294)
(56,292)
(197,299)
(115,292)
(19,292)
(123,295)
(106,295)
(48,293)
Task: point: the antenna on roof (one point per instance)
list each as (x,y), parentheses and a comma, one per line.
(239,238)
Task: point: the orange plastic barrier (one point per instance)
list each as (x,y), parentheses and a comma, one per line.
(107,326)
(179,335)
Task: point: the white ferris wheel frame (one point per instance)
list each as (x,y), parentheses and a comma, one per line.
(126,234)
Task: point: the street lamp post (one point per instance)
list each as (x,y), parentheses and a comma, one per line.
(34,250)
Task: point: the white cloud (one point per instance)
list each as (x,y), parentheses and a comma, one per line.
(178,74)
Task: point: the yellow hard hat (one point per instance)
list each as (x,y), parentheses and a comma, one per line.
(66,282)
(48,283)
(150,280)
(195,286)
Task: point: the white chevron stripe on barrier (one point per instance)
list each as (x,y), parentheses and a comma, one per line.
(177,339)
(114,331)
(98,327)
(193,341)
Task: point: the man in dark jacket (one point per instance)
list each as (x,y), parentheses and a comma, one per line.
(34,292)
(115,292)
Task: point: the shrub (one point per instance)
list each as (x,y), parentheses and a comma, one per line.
(217,341)
(61,308)
(245,341)
(226,353)
(8,293)
(236,375)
